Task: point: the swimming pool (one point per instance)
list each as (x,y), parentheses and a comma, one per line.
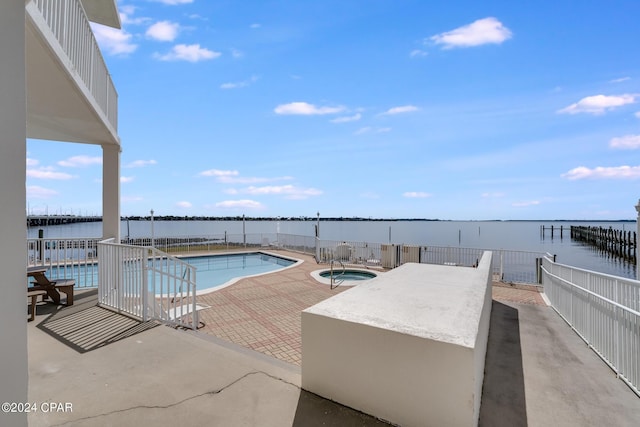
(214,271)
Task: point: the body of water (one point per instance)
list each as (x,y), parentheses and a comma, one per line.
(512,235)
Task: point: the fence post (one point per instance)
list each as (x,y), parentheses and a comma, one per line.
(40,246)
(145,286)
(638,233)
(618,332)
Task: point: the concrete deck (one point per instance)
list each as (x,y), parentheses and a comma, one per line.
(116,371)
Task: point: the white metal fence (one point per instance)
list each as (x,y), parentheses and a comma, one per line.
(69,24)
(66,259)
(506,265)
(147,283)
(208,243)
(604,311)
(76,258)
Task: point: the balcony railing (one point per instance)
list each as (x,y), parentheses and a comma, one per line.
(69,24)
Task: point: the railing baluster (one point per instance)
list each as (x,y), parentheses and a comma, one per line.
(69,25)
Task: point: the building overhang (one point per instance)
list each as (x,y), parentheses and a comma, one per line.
(103,12)
(60,107)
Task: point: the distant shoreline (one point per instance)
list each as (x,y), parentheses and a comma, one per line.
(78,218)
(240,218)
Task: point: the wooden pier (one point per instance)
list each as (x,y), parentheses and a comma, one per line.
(44,220)
(619,243)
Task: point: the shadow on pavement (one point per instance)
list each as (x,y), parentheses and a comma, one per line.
(503,394)
(84,326)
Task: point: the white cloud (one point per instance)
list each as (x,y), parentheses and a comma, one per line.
(32,162)
(48,173)
(620,80)
(237,85)
(80,161)
(598,104)
(191,53)
(36,192)
(164,31)
(113,41)
(363,130)
(417,53)
(305,109)
(483,31)
(525,203)
(126,179)
(628,142)
(127,10)
(232,177)
(234,204)
(289,191)
(236,53)
(254,26)
(369,129)
(249,179)
(492,195)
(125,16)
(346,119)
(184,204)
(600,172)
(140,163)
(219,173)
(400,110)
(416,194)
(196,16)
(637,114)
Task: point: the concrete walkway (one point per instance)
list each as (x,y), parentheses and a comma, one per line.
(115,371)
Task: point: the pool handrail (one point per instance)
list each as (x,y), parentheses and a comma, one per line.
(332,282)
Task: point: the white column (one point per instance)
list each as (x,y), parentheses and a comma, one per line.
(14,370)
(111,191)
(637,236)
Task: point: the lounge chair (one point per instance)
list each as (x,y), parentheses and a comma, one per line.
(52,287)
(34,294)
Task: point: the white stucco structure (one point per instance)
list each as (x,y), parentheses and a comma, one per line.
(52,89)
(407,347)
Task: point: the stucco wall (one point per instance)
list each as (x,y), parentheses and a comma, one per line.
(407,347)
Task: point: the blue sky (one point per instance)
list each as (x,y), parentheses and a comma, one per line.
(377,108)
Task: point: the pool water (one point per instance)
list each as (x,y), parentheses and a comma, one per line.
(211,270)
(348,275)
(215,270)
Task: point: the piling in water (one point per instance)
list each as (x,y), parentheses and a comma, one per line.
(619,243)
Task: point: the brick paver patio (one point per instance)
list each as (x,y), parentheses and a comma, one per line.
(263,313)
